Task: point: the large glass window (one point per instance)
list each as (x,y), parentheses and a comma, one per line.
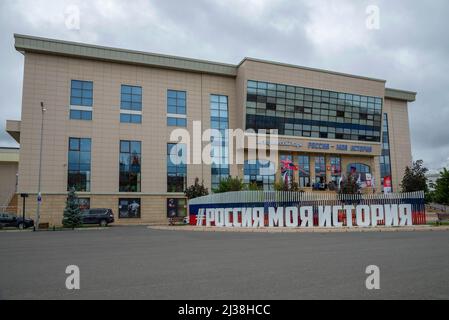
(320,169)
(79,164)
(130,166)
(220,146)
(359,169)
(131,104)
(335,168)
(262,173)
(176,167)
(304,171)
(306,112)
(385,158)
(81,100)
(285,166)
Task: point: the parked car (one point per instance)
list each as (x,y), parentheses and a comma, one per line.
(102,217)
(11,220)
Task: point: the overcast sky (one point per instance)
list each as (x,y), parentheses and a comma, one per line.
(410,49)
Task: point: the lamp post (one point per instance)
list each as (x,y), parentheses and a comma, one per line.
(39,195)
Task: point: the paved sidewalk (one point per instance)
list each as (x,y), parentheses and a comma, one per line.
(301,230)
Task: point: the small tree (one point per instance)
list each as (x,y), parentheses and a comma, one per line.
(286,186)
(197,190)
(230,184)
(72,213)
(415,178)
(349,185)
(253,186)
(441,193)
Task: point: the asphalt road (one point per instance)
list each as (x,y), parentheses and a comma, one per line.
(139,263)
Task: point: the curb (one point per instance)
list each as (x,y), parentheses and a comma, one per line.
(301,230)
(15,231)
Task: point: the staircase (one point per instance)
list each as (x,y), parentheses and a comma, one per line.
(12,205)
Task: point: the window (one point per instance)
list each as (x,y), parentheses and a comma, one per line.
(81,100)
(176,102)
(220,148)
(79,164)
(335,168)
(320,169)
(176,108)
(359,169)
(130,166)
(176,122)
(285,167)
(82,93)
(131,104)
(131,98)
(130,118)
(176,167)
(80,115)
(262,173)
(275,107)
(304,171)
(385,158)
(84,204)
(176,208)
(129,208)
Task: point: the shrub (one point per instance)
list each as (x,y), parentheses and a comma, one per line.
(196,190)
(230,184)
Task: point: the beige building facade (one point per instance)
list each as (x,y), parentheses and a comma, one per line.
(9,168)
(109,114)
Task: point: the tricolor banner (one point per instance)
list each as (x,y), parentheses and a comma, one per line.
(301,210)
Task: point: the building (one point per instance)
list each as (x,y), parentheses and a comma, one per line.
(110,112)
(432,178)
(9,168)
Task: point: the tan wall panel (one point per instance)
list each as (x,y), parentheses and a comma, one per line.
(281,74)
(400,145)
(47,78)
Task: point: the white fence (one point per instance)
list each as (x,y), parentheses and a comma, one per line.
(286,196)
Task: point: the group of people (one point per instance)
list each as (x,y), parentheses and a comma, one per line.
(321,185)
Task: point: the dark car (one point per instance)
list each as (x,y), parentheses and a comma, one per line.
(10,220)
(102,217)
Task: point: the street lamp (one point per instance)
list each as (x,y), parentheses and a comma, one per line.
(39,195)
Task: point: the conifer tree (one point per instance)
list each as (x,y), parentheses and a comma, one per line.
(72,214)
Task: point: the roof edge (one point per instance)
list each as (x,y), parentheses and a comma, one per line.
(26,43)
(398,94)
(311,69)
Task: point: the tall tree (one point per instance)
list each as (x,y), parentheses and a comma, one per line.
(72,213)
(415,178)
(441,193)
